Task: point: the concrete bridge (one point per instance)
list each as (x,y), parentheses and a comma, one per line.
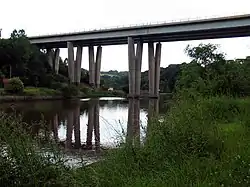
(223,27)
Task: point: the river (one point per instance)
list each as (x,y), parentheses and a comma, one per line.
(88,124)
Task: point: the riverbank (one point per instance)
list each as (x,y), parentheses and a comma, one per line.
(32,94)
(202,142)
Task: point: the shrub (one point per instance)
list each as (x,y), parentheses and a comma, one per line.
(84,89)
(57,85)
(22,165)
(70,90)
(14,86)
(118,93)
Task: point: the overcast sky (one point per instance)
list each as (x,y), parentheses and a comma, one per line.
(57,16)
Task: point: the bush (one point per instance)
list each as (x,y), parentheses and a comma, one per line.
(70,90)
(84,89)
(21,164)
(57,85)
(14,86)
(118,93)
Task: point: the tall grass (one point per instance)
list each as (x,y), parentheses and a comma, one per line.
(22,163)
(202,142)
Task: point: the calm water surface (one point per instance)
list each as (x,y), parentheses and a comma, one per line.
(88,123)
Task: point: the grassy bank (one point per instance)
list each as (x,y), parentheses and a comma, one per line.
(33,93)
(202,142)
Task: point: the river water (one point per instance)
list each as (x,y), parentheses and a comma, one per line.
(88,124)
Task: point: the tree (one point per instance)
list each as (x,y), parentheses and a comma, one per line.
(205,54)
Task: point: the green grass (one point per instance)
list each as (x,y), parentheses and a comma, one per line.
(101,93)
(32,91)
(202,142)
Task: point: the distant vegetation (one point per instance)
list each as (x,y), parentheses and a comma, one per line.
(23,65)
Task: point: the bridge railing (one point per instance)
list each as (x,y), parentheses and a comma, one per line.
(143,24)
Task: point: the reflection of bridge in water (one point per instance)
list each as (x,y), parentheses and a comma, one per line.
(73,128)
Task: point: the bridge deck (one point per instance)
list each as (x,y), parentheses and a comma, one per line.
(223,27)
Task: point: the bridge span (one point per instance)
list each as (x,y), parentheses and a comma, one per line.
(222,27)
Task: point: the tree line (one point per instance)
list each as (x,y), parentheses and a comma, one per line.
(18,58)
(208,73)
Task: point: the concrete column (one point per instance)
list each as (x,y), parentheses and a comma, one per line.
(151,68)
(131,65)
(56,60)
(50,54)
(157,69)
(138,63)
(98,66)
(91,66)
(71,62)
(78,64)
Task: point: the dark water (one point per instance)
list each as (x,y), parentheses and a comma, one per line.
(90,123)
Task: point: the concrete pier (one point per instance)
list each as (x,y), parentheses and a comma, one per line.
(131,66)
(154,61)
(91,66)
(98,66)
(78,64)
(151,69)
(95,66)
(71,62)
(50,55)
(56,61)
(134,64)
(138,64)
(157,69)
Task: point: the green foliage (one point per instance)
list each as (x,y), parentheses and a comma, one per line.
(21,164)
(84,89)
(202,142)
(57,85)
(70,90)
(32,91)
(119,93)
(210,74)
(14,86)
(205,54)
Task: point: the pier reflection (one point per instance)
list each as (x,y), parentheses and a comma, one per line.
(89,124)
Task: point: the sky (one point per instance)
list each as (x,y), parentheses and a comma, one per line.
(59,16)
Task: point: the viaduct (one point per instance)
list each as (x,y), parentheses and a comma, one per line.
(134,37)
